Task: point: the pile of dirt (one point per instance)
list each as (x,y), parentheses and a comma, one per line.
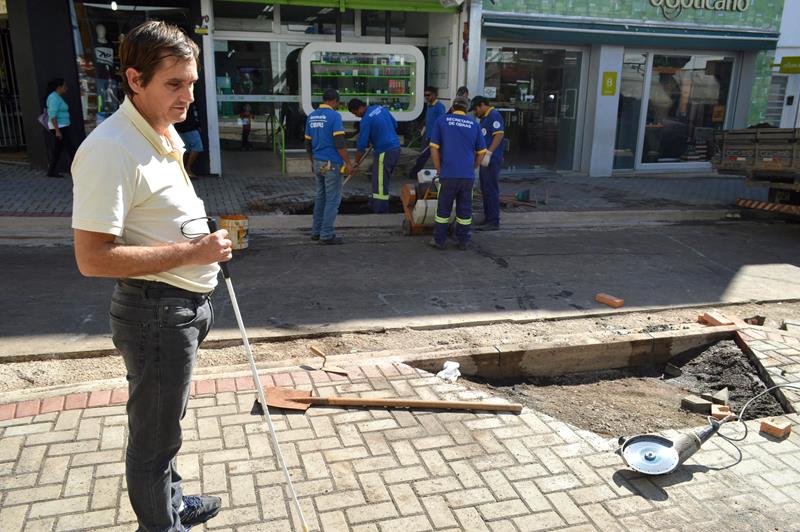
(724,365)
(609,403)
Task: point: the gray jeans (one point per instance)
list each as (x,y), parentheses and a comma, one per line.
(157,328)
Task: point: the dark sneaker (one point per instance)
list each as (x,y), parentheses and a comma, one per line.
(332,241)
(199,509)
(434,244)
(488,227)
(314,237)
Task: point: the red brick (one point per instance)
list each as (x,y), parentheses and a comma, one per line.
(76,401)
(245,383)
(715,318)
(720,411)
(119,396)
(27,408)
(320,376)
(778,428)
(301,377)
(52,404)
(281,380)
(206,387)
(226,385)
(99,398)
(609,300)
(7,411)
(372,372)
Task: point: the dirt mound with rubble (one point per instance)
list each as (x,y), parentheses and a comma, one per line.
(724,365)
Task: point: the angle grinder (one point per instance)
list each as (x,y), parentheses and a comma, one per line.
(656,455)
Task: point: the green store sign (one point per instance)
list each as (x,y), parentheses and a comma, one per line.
(672,8)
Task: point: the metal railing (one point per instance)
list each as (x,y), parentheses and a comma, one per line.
(12,134)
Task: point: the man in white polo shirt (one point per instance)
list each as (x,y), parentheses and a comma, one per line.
(137,218)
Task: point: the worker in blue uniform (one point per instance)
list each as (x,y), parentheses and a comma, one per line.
(433,111)
(493,130)
(378,128)
(457,148)
(325,144)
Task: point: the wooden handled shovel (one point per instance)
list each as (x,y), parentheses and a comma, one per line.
(290,399)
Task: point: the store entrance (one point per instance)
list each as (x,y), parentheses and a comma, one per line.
(537,91)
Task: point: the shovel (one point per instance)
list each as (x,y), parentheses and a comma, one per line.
(325,366)
(290,399)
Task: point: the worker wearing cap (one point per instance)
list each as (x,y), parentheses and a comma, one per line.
(325,144)
(378,128)
(433,111)
(457,148)
(492,128)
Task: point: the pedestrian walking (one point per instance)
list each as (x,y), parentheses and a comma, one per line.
(379,129)
(59,124)
(493,130)
(327,150)
(457,148)
(136,218)
(189,131)
(434,110)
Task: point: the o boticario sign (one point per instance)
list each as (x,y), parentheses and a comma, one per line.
(672,8)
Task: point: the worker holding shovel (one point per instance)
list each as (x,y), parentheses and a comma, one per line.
(325,144)
(136,218)
(378,128)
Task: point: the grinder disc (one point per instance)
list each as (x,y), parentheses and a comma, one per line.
(650,454)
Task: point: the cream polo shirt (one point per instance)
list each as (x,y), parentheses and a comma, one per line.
(129,181)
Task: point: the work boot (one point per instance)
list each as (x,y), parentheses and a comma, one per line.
(199,509)
(332,241)
(487,227)
(463,246)
(314,237)
(434,244)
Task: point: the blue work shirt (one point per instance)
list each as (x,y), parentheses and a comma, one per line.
(57,108)
(321,127)
(378,127)
(492,124)
(458,138)
(433,113)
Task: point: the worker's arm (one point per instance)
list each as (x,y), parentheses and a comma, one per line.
(98,255)
(497,138)
(437,160)
(478,158)
(340,142)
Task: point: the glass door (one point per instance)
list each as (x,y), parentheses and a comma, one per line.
(258,99)
(687,100)
(634,70)
(538,92)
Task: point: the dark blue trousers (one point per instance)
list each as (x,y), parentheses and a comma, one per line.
(460,191)
(382,167)
(490,189)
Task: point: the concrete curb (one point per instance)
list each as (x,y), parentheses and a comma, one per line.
(57,228)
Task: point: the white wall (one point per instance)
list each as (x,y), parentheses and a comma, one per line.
(443,26)
(600,131)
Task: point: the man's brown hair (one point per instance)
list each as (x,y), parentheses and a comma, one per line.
(148,44)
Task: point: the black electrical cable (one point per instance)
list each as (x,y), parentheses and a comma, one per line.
(744,408)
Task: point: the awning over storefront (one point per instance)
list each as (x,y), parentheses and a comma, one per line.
(531,29)
(421,6)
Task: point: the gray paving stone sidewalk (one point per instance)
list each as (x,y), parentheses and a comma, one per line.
(377,470)
(25,192)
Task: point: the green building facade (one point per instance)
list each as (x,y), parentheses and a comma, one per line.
(667,73)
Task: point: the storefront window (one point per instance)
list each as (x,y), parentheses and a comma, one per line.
(537,92)
(98,31)
(258,97)
(634,68)
(688,101)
